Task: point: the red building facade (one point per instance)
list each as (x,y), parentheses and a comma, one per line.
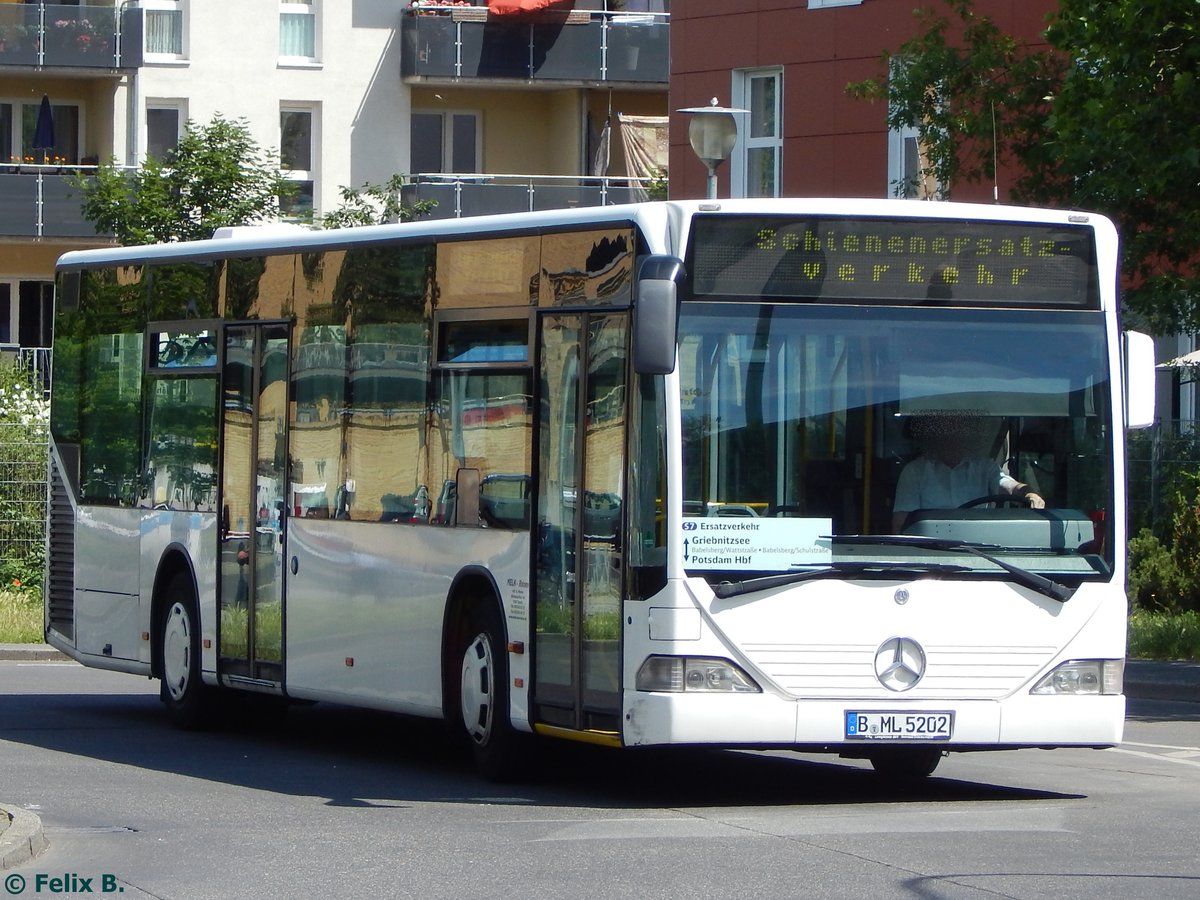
(789,61)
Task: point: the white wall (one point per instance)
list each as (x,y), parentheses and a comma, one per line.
(232,66)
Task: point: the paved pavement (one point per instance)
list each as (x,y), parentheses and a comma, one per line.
(21,837)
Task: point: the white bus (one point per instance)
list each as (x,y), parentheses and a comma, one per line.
(629,475)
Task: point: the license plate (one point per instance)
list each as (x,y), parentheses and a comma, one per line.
(889,725)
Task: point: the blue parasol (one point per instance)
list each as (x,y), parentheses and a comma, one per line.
(43,132)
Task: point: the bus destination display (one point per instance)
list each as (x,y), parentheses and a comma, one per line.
(905,261)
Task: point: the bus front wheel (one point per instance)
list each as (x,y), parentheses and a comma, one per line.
(183,690)
(483,698)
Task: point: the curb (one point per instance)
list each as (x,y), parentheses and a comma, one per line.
(21,837)
(1162,680)
(34,652)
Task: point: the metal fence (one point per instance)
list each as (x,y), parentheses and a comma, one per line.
(1164,463)
(23,454)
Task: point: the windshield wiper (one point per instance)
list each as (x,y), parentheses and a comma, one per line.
(1023,577)
(726,589)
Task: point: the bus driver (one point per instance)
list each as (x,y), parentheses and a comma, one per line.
(951,470)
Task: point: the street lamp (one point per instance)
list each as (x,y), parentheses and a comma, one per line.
(712,134)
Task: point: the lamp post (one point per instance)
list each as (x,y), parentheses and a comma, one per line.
(712,134)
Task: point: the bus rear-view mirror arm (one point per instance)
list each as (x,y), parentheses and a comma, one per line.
(656,315)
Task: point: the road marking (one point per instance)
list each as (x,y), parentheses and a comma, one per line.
(1159,746)
(1163,757)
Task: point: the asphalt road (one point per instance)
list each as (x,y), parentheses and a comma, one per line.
(343,803)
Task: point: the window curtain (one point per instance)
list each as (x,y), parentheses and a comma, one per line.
(164,31)
(297,34)
(645,140)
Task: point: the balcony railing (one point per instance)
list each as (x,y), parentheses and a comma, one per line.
(460,195)
(580,46)
(58,36)
(41,201)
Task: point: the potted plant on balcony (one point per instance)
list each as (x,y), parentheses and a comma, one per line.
(14,37)
(79,37)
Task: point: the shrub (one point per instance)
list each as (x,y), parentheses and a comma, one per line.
(1155,580)
(24,427)
(1163,636)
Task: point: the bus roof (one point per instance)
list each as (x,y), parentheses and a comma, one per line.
(660,221)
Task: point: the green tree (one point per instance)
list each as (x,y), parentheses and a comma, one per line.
(1100,117)
(976,95)
(375,204)
(217,176)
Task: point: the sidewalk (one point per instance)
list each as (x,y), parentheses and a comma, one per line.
(42,652)
(21,837)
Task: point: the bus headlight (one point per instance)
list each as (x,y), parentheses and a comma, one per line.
(1084,676)
(693,673)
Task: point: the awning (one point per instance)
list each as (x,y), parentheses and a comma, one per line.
(517,7)
(1187,361)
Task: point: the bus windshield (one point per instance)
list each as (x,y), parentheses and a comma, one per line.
(805,422)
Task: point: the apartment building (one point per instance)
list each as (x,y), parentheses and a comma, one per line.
(788,63)
(481,112)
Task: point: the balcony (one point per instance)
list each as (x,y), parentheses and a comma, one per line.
(51,35)
(40,202)
(482,195)
(580,47)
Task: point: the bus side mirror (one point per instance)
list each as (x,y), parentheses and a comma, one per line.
(1139,379)
(656,315)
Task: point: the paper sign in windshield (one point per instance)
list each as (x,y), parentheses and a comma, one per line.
(755,544)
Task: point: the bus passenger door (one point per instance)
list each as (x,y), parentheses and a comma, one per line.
(578,563)
(254,456)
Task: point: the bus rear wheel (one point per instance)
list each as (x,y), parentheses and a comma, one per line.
(483,698)
(183,690)
(906,762)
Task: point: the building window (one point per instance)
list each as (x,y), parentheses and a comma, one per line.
(826,4)
(18,128)
(26,313)
(757,162)
(297,134)
(164,28)
(164,126)
(910,173)
(298,30)
(445,142)
(908,166)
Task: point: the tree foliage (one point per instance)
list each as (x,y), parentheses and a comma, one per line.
(976,95)
(217,176)
(375,204)
(1102,117)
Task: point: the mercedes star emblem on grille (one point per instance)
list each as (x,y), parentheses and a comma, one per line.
(899,663)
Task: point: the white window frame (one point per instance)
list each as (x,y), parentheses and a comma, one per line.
(13,285)
(312,110)
(899,162)
(176,104)
(310,8)
(829,4)
(739,167)
(180,6)
(447,116)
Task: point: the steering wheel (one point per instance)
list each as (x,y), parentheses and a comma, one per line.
(786,511)
(1000,499)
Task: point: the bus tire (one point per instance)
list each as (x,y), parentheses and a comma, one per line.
(187,698)
(906,762)
(483,697)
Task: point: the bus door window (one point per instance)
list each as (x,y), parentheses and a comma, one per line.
(254,479)
(579,559)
